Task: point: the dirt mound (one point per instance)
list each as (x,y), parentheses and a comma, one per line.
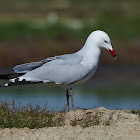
(82,124)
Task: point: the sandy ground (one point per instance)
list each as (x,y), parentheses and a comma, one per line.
(98,124)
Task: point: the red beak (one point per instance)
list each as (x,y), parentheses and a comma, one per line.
(113,53)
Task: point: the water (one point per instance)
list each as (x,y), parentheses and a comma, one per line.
(83,97)
(111,87)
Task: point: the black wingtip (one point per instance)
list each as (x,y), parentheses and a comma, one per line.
(18,83)
(11,76)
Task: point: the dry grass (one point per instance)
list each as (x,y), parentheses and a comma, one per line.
(32,117)
(28,116)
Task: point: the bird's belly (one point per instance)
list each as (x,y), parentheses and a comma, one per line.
(87,77)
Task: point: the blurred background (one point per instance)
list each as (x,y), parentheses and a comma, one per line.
(32,30)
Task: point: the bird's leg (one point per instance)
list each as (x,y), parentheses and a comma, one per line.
(67,95)
(71,99)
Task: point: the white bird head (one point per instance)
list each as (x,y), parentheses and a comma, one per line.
(101,40)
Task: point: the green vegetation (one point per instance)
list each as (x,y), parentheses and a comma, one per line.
(27,18)
(17,28)
(38,117)
(28,116)
(12,115)
(135,110)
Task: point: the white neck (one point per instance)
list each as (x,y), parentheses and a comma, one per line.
(91,54)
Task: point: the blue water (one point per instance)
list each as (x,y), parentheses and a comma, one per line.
(55,97)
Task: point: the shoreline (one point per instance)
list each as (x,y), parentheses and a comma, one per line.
(83,124)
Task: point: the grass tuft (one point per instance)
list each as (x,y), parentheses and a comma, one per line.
(12,115)
(34,116)
(135,110)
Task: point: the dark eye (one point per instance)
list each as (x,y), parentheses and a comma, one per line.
(105,41)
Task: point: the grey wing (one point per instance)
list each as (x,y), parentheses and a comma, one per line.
(65,69)
(70,58)
(24,68)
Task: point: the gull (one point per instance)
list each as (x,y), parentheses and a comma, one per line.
(68,69)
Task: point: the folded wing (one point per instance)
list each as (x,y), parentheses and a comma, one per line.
(64,69)
(24,68)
